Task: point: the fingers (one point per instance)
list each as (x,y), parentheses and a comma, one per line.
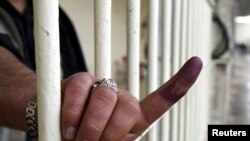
(109,116)
(75,91)
(162,99)
(100,107)
(96,115)
(124,117)
(105,115)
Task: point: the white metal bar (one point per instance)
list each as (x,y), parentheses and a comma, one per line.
(184,31)
(189,116)
(195,118)
(166,61)
(183,57)
(133,42)
(189,46)
(199,105)
(167,39)
(153,56)
(207,64)
(201,86)
(177,35)
(103,38)
(196,52)
(48,69)
(192,99)
(176,64)
(153,45)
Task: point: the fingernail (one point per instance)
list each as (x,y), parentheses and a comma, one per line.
(70,133)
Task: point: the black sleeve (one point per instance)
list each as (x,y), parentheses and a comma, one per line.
(6,42)
(71,53)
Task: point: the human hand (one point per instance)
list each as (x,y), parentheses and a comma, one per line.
(102,114)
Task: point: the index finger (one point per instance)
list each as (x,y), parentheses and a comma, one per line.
(156,104)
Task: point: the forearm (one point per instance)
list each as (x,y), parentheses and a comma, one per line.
(17,86)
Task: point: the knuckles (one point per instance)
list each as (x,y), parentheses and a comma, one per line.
(131,104)
(80,84)
(106,95)
(82,78)
(108,137)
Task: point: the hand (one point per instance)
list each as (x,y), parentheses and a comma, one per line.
(103,115)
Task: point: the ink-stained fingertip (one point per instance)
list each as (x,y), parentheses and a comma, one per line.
(191,69)
(179,84)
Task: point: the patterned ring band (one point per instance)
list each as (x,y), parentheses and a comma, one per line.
(107,82)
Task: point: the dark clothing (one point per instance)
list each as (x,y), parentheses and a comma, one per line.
(71,54)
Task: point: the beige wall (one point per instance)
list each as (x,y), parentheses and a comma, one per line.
(242,33)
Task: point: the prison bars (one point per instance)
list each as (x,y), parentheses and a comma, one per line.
(189,118)
(166,61)
(103,38)
(48,68)
(193,31)
(153,68)
(176,63)
(133,46)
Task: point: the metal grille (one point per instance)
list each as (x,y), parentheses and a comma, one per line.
(185,30)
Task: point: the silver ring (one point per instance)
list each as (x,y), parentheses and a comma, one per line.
(107,82)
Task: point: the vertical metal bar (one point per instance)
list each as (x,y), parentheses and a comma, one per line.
(103,38)
(205,79)
(133,37)
(191,36)
(177,35)
(153,56)
(167,39)
(190,28)
(199,43)
(176,63)
(166,61)
(195,96)
(189,46)
(183,57)
(207,41)
(184,31)
(48,68)
(193,111)
(195,118)
(194,52)
(201,52)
